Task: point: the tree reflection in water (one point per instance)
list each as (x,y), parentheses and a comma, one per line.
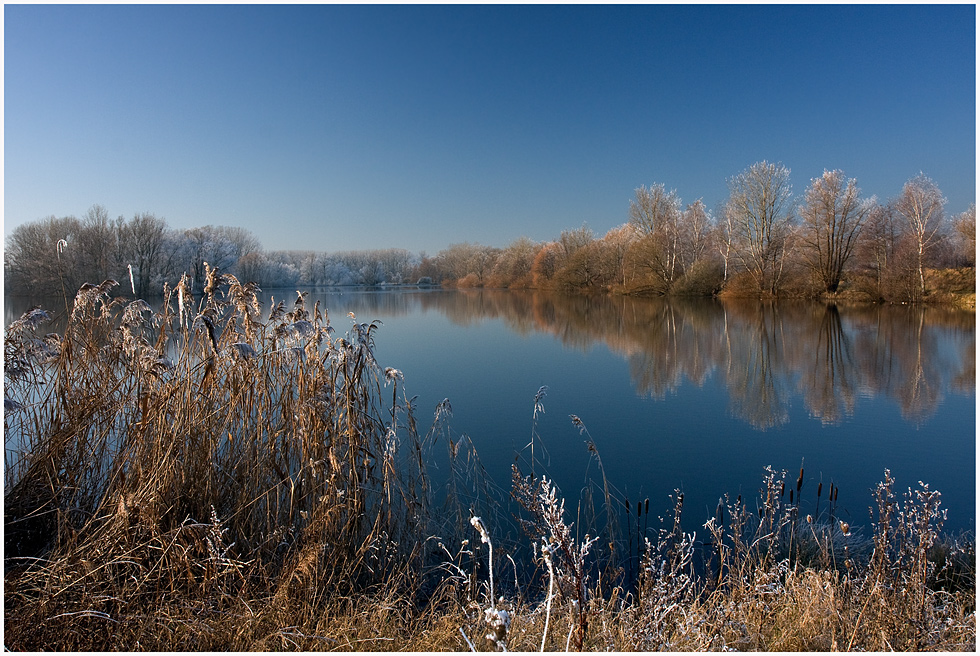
(763,350)
(765,365)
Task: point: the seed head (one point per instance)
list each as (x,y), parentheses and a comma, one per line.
(477,523)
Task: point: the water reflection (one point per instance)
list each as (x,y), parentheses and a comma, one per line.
(830,385)
(764,352)
(715,386)
(831,356)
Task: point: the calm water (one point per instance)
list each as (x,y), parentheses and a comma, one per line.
(698,394)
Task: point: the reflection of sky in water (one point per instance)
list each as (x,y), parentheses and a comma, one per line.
(673,433)
(697,438)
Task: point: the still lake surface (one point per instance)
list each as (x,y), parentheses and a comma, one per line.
(694,394)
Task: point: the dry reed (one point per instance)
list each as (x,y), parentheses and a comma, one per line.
(192,478)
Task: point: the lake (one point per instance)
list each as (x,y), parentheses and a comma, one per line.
(692,394)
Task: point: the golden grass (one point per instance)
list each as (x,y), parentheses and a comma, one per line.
(194,479)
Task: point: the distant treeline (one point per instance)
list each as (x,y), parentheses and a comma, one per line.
(762,241)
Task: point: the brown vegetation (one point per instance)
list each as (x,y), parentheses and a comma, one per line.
(194,479)
(830,243)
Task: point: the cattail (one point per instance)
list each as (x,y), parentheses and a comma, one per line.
(646,506)
(626,502)
(799,482)
(819,489)
(478,524)
(639,506)
(836,490)
(180,299)
(782,489)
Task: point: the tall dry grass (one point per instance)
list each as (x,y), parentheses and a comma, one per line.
(192,478)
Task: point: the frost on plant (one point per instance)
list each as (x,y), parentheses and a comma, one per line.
(567,557)
(497,619)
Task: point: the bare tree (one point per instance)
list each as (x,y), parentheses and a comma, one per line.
(695,229)
(251,268)
(877,244)
(207,245)
(546,264)
(833,215)
(618,241)
(144,236)
(965,225)
(921,206)
(723,238)
(572,240)
(98,246)
(512,266)
(656,215)
(41,257)
(459,260)
(590,266)
(759,212)
(242,239)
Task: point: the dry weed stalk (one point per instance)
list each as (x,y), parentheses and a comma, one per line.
(193,478)
(134,423)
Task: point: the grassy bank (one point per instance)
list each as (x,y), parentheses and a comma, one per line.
(189,478)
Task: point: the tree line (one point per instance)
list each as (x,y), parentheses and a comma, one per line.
(55,255)
(762,241)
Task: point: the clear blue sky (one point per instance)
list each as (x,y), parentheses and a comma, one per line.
(349,127)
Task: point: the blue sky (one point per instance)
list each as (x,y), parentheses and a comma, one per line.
(354,127)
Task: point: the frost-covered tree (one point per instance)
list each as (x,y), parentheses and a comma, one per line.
(40,257)
(618,242)
(921,206)
(656,215)
(572,240)
(759,216)
(695,232)
(512,266)
(144,237)
(459,260)
(210,245)
(833,214)
(965,226)
(396,264)
(546,264)
(98,246)
(590,266)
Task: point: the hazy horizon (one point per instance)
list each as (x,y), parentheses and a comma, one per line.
(335,128)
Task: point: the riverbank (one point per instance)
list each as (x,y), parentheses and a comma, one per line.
(187,500)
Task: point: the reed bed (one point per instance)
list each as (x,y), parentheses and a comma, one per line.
(193,478)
